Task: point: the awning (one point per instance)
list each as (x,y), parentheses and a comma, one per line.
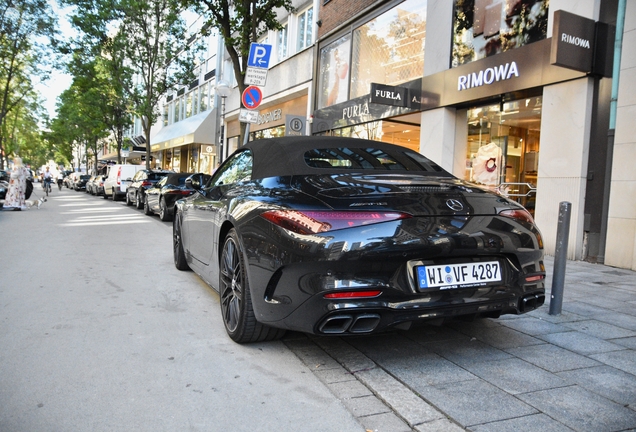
(197,129)
(135,152)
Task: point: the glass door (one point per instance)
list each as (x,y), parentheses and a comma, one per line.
(503,148)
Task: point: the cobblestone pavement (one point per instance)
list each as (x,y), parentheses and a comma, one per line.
(575,371)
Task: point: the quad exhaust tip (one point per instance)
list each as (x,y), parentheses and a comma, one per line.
(340,324)
(531,302)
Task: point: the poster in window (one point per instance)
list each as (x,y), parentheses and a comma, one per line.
(334,72)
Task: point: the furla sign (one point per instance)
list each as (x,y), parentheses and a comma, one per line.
(389,95)
(573,39)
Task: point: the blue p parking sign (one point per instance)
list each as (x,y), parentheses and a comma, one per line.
(259,55)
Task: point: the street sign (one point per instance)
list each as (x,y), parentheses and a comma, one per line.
(259,55)
(252,97)
(255,76)
(247,116)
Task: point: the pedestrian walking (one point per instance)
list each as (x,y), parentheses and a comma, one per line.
(16,195)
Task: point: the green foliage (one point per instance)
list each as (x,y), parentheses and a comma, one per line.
(27,31)
(240,23)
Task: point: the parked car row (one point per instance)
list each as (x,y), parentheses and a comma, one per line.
(154,191)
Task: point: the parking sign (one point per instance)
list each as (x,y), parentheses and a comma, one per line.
(259,55)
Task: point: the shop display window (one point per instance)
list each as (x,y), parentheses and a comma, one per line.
(487,27)
(396,132)
(388,49)
(503,147)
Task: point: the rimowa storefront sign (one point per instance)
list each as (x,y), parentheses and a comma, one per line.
(573,39)
(519,69)
(527,67)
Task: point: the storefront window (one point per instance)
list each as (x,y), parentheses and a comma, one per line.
(393,132)
(274,132)
(176,160)
(488,27)
(503,148)
(193,158)
(334,72)
(390,48)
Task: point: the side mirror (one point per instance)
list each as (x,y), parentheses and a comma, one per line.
(197,181)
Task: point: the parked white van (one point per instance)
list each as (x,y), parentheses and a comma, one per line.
(118,179)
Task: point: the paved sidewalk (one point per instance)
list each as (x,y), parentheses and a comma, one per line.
(533,372)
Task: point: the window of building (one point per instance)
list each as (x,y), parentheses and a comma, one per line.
(166,109)
(189,110)
(503,147)
(204,97)
(282,43)
(334,72)
(487,27)
(305,28)
(388,49)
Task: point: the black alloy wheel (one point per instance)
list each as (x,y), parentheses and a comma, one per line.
(128,201)
(147,210)
(236,301)
(140,201)
(177,247)
(164,213)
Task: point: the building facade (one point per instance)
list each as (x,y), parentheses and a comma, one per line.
(495,104)
(492,90)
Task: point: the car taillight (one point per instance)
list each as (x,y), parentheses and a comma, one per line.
(519,214)
(313,222)
(118,175)
(353,294)
(146,183)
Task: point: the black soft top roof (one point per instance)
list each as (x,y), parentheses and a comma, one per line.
(285,156)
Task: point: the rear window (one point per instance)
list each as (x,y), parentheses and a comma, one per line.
(156,176)
(369,159)
(85,177)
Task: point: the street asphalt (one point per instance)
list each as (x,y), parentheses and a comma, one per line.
(573,371)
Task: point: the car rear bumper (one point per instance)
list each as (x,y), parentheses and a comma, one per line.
(290,274)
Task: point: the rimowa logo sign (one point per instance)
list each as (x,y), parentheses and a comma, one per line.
(488,76)
(572,41)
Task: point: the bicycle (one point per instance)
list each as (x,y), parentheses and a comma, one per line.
(59,184)
(47,186)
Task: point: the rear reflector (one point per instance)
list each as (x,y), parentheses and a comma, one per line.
(313,222)
(534,278)
(353,294)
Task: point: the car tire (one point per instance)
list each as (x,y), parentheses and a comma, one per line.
(128,201)
(105,196)
(140,200)
(147,210)
(236,300)
(177,246)
(164,213)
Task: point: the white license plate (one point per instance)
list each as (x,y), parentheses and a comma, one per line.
(448,276)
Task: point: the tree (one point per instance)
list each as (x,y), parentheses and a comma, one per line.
(240,23)
(151,36)
(24,27)
(93,18)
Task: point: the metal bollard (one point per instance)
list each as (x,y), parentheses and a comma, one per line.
(560,258)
